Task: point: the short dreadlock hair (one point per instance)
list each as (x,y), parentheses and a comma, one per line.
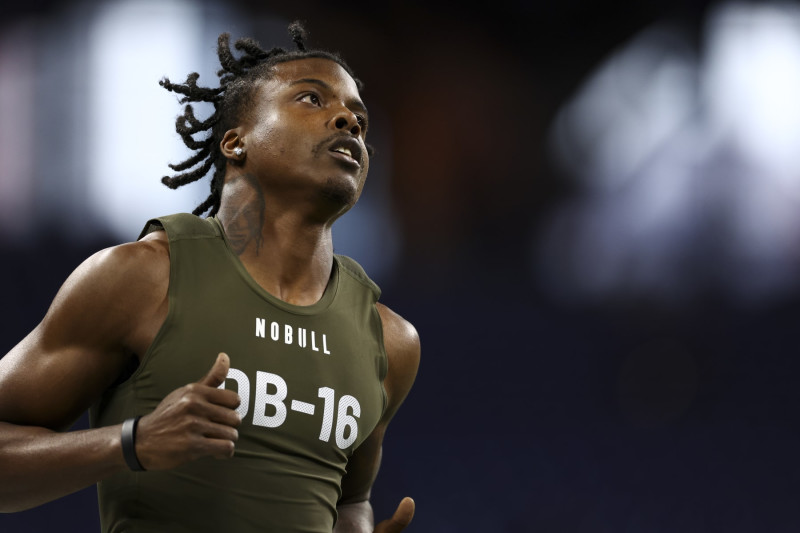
(231,100)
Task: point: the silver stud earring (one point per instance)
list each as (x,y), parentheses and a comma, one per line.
(238,150)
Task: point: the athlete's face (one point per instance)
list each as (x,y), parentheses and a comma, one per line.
(309,127)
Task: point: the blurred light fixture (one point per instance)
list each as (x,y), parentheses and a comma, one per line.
(688,165)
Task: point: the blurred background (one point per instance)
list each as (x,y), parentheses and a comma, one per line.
(589,210)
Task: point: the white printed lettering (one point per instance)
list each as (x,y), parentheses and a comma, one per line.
(303,407)
(242,388)
(325,344)
(327,394)
(290,334)
(271,390)
(301,337)
(345,421)
(264,398)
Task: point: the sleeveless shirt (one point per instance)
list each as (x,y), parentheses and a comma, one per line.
(310,379)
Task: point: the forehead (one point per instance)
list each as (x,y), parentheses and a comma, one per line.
(290,72)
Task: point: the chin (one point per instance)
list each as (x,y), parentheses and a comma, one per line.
(342,192)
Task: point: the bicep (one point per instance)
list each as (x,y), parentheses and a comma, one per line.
(49,386)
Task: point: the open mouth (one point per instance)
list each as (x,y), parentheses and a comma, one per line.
(348,150)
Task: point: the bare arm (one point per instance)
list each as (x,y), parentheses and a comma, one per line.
(355,511)
(107,311)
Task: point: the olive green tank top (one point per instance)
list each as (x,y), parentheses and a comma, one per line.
(310,380)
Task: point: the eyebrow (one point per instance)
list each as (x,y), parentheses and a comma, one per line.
(351,103)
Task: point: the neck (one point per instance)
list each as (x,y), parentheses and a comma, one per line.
(287,252)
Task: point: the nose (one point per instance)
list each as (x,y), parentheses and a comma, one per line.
(346,120)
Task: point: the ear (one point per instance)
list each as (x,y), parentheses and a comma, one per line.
(229,144)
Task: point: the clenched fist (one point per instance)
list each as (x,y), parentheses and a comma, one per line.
(194,421)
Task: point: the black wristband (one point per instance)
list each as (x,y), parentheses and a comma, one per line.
(129,444)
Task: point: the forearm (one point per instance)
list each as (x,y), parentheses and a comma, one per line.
(38,465)
(355,518)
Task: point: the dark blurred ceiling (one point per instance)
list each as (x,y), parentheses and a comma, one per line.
(515,20)
(548,31)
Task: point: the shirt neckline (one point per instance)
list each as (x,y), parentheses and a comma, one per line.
(323,303)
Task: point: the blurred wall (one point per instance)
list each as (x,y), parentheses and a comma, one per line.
(567,202)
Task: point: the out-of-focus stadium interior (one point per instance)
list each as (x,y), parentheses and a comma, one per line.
(589,210)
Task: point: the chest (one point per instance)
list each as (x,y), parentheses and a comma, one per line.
(302,380)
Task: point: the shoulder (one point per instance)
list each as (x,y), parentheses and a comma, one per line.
(402,345)
(350,266)
(112,289)
(137,270)
(126,266)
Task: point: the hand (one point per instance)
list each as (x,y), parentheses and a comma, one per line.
(401,518)
(194,421)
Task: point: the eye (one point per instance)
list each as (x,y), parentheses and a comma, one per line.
(362,120)
(310,98)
